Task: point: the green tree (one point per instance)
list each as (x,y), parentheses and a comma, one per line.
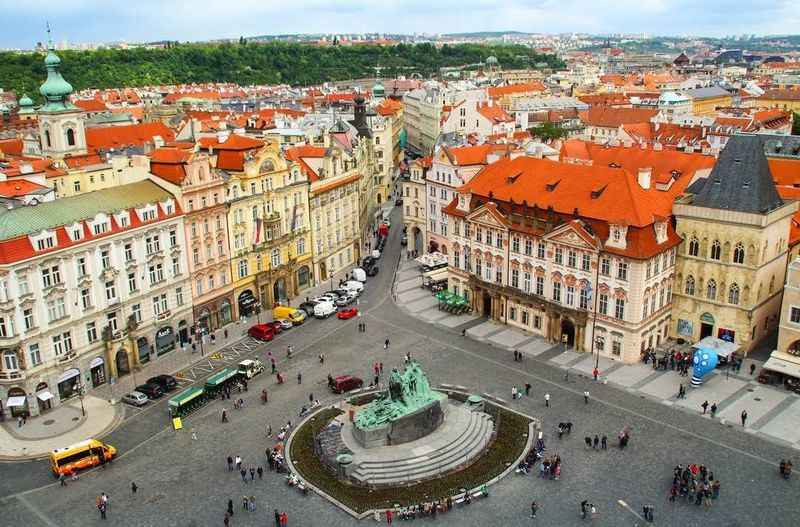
(796,123)
(548,131)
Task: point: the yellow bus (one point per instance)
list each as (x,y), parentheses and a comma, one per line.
(79,456)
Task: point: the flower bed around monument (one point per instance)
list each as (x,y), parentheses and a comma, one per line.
(511,429)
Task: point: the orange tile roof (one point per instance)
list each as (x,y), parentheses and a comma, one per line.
(512,89)
(335,184)
(11,147)
(297,153)
(791,94)
(18,187)
(784,171)
(91,105)
(108,137)
(601,193)
(494,113)
(82,161)
(608,117)
(175,96)
(389,107)
(468,155)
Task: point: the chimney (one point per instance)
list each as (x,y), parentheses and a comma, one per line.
(645,174)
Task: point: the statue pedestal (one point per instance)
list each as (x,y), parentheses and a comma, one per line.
(409,427)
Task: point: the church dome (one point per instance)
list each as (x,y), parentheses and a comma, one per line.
(378,90)
(25,105)
(55,89)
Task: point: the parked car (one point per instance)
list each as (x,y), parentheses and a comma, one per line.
(262,332)
(308,307)
(296,316)
(285,324)
(167,382)
(372,271)
(324,309)
(354,285)
(345,314)
(276,326)
(345,383)
(398,201)
(151,390)
(249,368)
(359,274)
(352,295)
(367,262)
(342,301)
(135,399)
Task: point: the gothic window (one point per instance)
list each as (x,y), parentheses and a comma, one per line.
(690,286)
(70,137)
(711,289)
(733,294)
(738,254)
(716,250)
(694,246)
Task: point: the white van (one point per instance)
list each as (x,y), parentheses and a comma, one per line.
(359,274)
(324,309)
(353,285)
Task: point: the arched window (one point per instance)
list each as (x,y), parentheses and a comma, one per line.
(733,294)
(716,250)
(47,138)
(689,286)
(70,137)
(694,246)
(255,213)
(738,254)
(711,289)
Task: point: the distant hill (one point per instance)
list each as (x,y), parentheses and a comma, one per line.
(247,64)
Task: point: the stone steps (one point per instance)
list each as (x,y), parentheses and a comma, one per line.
(463,447)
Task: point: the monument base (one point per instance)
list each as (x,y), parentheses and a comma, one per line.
(407,428)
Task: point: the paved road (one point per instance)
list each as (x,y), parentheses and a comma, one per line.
(184,482)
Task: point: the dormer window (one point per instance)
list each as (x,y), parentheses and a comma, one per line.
(76,233)
(147,213)
(123,219)
(45,241)
(661,232)
(169,207)
(100,228)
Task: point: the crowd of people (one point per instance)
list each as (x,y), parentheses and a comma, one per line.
(694,484)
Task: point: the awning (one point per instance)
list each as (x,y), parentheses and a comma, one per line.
(17,400)
(783,366)
(69,374)
(97,361)
(723,348)
(44,395)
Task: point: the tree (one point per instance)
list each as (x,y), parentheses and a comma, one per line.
(548,131)
(796,123)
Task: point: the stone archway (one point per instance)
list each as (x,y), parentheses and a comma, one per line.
(123,364)
(568,331)
(279,291)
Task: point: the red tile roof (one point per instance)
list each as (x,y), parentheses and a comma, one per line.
(18,187)
(108,137)
(82,161)
(468,155)
(297,154)
(389,107)
(494,113)
(91,105)
(791,94)
(11,147)
(785,171)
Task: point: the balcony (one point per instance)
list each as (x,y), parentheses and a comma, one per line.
(164,315)
(12,376)
(67,357)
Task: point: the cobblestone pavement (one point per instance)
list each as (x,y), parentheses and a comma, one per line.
(184,481)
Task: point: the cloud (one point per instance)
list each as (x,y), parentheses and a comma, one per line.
(144,20)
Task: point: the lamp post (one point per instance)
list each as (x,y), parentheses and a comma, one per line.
(81,393)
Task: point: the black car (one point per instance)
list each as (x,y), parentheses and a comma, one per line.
(367,262)
(308,307)
(151,390)
(373,270)
(167,382)
(333,292)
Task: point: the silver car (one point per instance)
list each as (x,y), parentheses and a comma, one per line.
(135,399)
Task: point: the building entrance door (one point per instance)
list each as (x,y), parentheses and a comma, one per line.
(706,330)
(487,305)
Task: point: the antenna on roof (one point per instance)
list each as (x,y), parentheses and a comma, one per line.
(49,36)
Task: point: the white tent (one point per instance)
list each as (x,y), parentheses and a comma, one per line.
(723,348)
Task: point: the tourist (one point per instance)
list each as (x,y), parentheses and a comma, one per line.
(704,406)
(277,518)
(534,509)
(514,393)
(744,417)
(386,344)
(238,463)
(230,507)
(134,487)
(713,410)
(243,472)
(547,400)
(260,472)
(527,389)
(230,463)
(586,397)
(224,416)
(299,378)
(584,509)
(389,517)
(252,473)
(596,441)
(604,443)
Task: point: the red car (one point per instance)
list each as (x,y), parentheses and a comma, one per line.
(344,383)
(344,314)
(262,332)
(276,326)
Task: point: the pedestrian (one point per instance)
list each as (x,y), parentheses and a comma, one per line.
(62,479)
(713,410)
(752,368)
(744,417)
(595,374)
(243,472)
(704,406)
(238,463)
(547,400)
(134,487)
(389,517)
(586,397)
(245,503)
(284,519)
(311,398)
(588,441)
(386,344)
(194,435)
(230,507)
(272,363)
(102,509)
(380,367)
(277,518)
(604,443)
(321,358)
(463,332)
(226,520)
(596,441)
(299,377)
(252,473)
(584,509)
(230,463)
(527,389)
(534,509)
(224,416)
(260,471)
(513,393)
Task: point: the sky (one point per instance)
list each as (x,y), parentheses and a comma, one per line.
(78,21)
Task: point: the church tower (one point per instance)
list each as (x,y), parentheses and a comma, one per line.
(61,126)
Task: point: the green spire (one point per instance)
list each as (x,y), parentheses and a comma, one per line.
(25,105)
(55,90)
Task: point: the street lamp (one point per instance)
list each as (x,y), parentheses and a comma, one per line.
(81,388)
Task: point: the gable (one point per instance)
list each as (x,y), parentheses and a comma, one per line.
(488,215)
(572,235)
